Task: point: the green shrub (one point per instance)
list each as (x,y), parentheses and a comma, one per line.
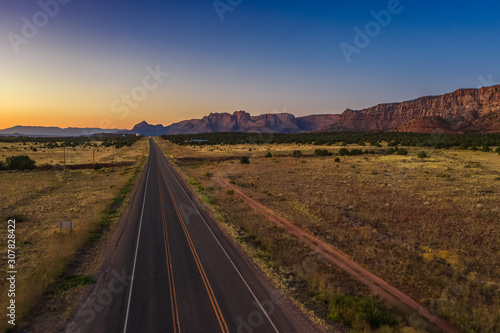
(485,149)
(230,192)
(389,151)
(245,160)
(422,154)
(269,154)
(337,160)
(351,310)
(73,281)
(297,153)
(498,150)
(97,166)
(355,152)
(322,152)
(21,162)
(402,151)
(343,152)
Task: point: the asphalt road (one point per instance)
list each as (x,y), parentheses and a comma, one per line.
(173,270)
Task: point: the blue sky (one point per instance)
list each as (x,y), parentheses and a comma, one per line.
(265,56)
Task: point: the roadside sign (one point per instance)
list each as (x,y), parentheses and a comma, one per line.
(66,225)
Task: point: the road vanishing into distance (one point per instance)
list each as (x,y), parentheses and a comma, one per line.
(173,270)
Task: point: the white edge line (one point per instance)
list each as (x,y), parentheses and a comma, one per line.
(232,263)
(136,250)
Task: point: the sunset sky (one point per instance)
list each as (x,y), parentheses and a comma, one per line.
(84,57)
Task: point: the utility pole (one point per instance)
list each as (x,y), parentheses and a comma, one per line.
(64,156)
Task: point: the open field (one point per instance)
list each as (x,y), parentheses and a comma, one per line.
(74,155)
(429,227)
(37,200)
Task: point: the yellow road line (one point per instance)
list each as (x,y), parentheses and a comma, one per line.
(171,282)
(208,287)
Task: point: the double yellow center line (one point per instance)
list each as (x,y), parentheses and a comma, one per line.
(171,283)
(208,287)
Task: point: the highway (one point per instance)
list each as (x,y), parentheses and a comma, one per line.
(173,270)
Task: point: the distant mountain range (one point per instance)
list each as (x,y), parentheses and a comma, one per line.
(239,121)
(41,131)
(463,111)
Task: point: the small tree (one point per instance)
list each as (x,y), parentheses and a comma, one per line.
(269,154)
(21,162)
(97,166)
(337,160)
(245,160)
(485,149)
(422,154)
(297,153)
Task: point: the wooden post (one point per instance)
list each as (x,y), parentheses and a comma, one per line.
(64,158)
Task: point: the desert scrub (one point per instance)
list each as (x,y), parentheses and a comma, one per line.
(74,281)
(358,311)
(362,212)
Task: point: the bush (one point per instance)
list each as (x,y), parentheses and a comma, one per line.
(343,152)
(230,192)
(485,149)
(389,151)
(244,160)
(97,166)
(498,150)
(297,153)
(20,163)
(322,152)
(402,151)
(269,154)
(422,154)
(73,281)
(349,310)
(337,160)
(355,152)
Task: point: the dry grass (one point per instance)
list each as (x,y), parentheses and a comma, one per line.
(41,199)
(429,227)
(77,155)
